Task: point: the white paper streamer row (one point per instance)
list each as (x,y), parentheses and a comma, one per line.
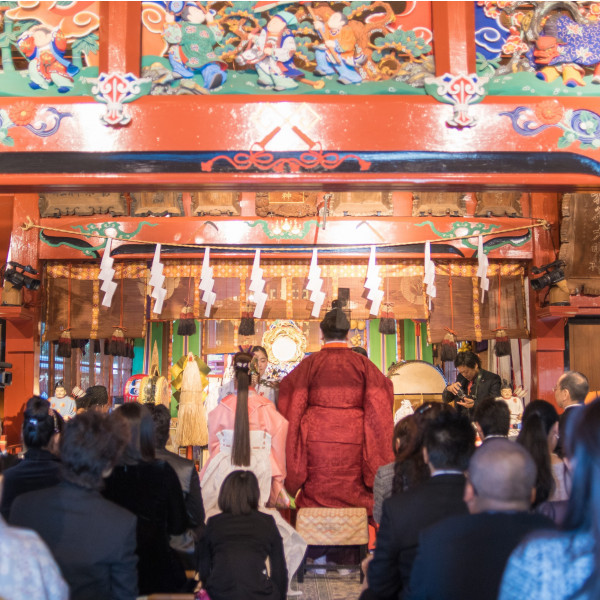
(257,285)
(482,268)
(315,282)
(106,275)
(157,280)
(372,283)
(207,283)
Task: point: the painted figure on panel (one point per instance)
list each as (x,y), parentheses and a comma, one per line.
(339,52)
(45,48)
(272,52)
(192,33)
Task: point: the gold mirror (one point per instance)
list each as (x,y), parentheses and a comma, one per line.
(284,342)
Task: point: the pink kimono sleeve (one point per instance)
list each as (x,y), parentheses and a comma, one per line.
(292,403)
(378,423)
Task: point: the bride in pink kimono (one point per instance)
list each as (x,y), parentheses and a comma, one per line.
(246,431)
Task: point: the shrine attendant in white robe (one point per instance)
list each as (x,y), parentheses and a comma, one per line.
(246,431)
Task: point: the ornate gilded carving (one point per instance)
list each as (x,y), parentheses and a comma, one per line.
(156,204)
(438,204)
(361,204)
(498,204)
(216,203)
(84,204)
(286,204)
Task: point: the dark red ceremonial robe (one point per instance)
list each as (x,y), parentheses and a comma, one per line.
(339,406)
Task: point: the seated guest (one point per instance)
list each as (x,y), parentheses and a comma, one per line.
(40,468)
(28,569)
(464,556)
(492,419)
(449,443)
(92,539)
(409,468)
(150,489)
(186,544)
(539,435)
(561,565)
(238,543)
(61,402)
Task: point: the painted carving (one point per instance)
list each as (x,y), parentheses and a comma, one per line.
(286,204)
(559,42)
(216,203)
(307,47)
(284,229)
(59,40)
(114,89)
(438,204)
(91,231)
(460,91)
(498,204)
(69,203)
(361,204)
(192,35)
(156,204)
(42,123)
(581,126)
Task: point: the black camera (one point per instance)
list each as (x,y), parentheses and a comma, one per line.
(19,276)
(460,394)
(552,273)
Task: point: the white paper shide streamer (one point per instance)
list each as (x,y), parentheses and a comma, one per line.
(372,283)
(106,275)
(482,268)
(207,283)
(317,297)
(429,278)
(257,285)
(157,280)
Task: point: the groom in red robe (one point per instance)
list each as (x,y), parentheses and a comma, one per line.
(339,406)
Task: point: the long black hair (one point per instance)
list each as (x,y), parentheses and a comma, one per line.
(538,418)
(240,452)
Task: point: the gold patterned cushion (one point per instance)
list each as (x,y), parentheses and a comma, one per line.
(333,526)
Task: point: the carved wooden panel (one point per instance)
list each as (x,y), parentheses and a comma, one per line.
(361,204)
(216,203)
(286,204)
(580,242)
(76,203)
(438,204)
(498,204)
(156,204)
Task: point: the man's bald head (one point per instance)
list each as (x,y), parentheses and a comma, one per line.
(502,476)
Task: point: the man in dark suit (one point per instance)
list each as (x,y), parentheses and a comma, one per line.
(92,539)
(569,392)
(492,419)
(464,556)
(449,443)
(472,385)
(187,544)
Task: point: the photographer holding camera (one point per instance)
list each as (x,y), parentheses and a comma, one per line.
(472,385)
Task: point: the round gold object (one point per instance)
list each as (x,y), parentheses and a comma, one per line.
(284,342)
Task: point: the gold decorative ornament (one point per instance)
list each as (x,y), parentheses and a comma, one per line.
(284,342)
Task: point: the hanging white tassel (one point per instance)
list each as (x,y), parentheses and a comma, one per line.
(157,280)
(315,282)
(429,278)
(482,268)
(106,275)
(257,285)
(207,283)
(372,283)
